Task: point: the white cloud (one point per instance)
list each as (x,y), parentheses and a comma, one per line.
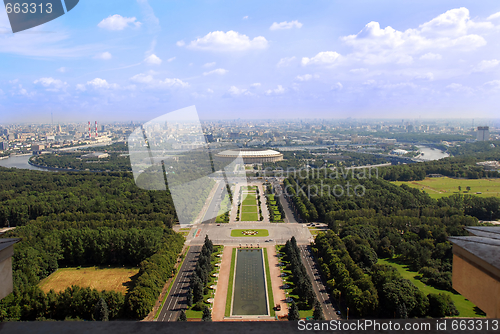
(208,65)
(358,70)
(99,83)
(153,60)
(426,76)
(104,56)
(210,91)
(285,25)
(171,59)
(219,71)
(180,43)
(337,87)
(221,41)
(306,77)
(50,83)
(245,17)
(235,91)
(118,22)
(278,91)
(256,85)
(62,69)
(287,61)
(494,16)
(142,78)
(494,84)
(322,58)
(431,56)
(174,82)
(81,87)
(459,88)
(451,30)
(486,65)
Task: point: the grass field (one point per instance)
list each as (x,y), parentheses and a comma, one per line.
(116,279)
(438,187)
(249,217)
(238,233)
(229,297)
(464,306)
(269,285)
(250,201)
(249,208)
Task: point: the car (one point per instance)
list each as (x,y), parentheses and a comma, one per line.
(218,224)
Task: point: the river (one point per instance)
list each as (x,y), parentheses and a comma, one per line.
(21,161)
(431,154)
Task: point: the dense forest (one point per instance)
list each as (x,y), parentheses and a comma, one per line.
(85,219)
(376,219)
(29,195)
(46,246)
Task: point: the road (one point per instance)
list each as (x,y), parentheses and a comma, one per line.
(213,207)
(176,299)
(318,284)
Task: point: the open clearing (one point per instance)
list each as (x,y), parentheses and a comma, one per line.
(239,233)
(116,279)
(464,306)
(438,187)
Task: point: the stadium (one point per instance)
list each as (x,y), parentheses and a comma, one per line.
(250,156)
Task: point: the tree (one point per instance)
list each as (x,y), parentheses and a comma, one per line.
(189,297)
(318,312)
(182,316)
(207,315)
(468,188)
(293,312)
(101,311)
(459,188)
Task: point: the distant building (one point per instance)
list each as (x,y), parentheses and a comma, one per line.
(476,268)
(6,252)
(37,147)
(250,156)
(483,133)
(399,152)
(4,145)
(95,155)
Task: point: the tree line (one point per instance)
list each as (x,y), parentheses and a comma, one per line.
(44,248)
(379,292)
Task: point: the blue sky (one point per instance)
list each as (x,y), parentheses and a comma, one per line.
(138,59)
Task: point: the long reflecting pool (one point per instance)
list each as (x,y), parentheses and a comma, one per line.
(249,292)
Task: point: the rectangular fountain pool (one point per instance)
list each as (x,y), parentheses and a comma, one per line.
(249,292)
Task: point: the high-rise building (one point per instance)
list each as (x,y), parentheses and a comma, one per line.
(483,133)
(4,145)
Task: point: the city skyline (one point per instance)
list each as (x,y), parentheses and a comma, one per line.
(136,60)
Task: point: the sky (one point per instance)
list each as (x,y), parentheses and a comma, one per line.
(134,60)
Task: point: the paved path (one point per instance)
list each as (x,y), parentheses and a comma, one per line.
(222,285)
(318,284)
(176,299)
(278,292)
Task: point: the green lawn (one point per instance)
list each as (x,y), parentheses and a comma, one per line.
(269,285)
(250,201)
(249,208)
(261,233)
(192,314)
(249,217)
(438,187)
(464,306)
(229,297)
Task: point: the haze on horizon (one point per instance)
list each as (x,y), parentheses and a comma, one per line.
(134,60)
